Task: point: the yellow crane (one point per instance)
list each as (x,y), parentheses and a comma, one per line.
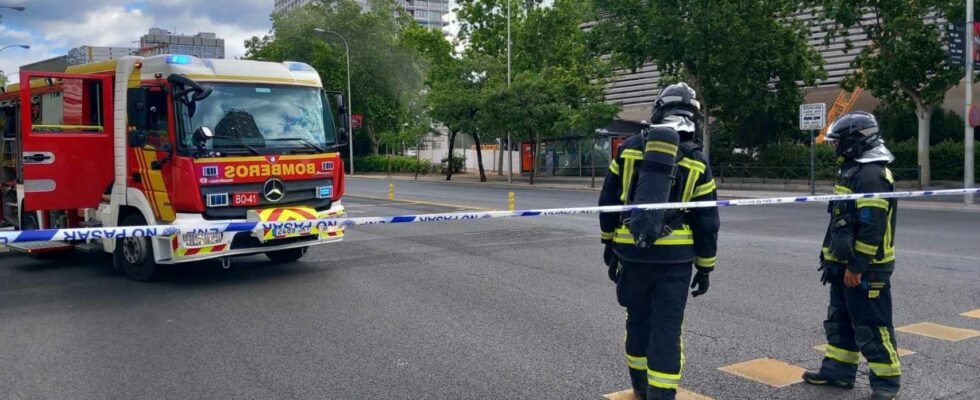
(844,103)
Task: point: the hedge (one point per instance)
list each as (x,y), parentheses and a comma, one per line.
(379,163)
(792,161)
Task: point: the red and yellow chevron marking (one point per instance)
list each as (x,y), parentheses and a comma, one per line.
(182,252)
(153,186)
(285,215)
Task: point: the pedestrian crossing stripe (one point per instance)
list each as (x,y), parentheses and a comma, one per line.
(938,331)
(972,314)
(771,372)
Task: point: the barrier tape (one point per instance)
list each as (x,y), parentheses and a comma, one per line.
(81,234)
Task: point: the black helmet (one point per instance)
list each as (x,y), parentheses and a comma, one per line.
(856,132)
(676,99)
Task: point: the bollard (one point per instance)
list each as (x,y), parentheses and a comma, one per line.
(391,191)
(510,201)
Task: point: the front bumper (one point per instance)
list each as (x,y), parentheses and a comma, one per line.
(169,250)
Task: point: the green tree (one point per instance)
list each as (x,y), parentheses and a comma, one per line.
(743,58)
(387,72)
(906,62)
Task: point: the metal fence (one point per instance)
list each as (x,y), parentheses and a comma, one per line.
(785,174)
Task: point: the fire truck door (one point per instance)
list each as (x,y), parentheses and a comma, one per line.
(67,130)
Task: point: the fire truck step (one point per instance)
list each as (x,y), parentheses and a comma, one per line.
(92,248)
(39,247)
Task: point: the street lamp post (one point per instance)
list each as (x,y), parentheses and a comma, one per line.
(17,8)
(350,109)
(968,91)
(23,46)
(510,154)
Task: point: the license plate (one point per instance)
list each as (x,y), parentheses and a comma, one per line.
(245,199)
(291,231)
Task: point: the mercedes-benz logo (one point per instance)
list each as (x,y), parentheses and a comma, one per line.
(274,190)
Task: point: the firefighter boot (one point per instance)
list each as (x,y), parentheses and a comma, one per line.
(661,394)
(879,394)
(816,378)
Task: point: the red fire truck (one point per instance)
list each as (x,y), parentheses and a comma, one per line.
(172,140)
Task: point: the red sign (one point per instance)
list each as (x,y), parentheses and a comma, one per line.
(616,142)
(527,156)
(245,199)
(357,120)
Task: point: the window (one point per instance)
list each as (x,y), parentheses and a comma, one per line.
(157,126)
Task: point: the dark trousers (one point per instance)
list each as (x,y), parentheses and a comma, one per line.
(654,296)
(859,321)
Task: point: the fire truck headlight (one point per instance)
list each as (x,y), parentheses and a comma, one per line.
(201,239)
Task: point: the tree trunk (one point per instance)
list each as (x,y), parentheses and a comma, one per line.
(924,114)
(500,164)
(592,160)
(449,162)
(375,143)
(479,157)
(706,130)
(418,158)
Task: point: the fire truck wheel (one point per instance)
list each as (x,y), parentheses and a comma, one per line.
(286,256)
(135,255)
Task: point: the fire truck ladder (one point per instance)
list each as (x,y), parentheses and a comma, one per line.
(844,102)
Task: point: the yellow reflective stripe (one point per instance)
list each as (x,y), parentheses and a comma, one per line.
(692,178)
(614,167)
(879,203)
(888,176)
(627,176)
(662,147)
(662,380)
(844,356)
(638,363)
(830,257)
(707,262)
(632,154)
(608,235)
(704,189)
(865,248)
(683,236)
(840,189)
(691,163)
(895,367)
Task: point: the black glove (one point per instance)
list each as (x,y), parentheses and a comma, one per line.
(829,272)
(700,282)
(612,261)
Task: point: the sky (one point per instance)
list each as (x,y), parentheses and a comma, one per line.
(52,27)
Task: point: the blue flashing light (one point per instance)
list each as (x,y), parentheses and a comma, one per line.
(179,59)
(298,66)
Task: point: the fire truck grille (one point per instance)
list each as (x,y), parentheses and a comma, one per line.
(298,193)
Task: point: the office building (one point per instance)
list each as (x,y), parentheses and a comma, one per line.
(160,41)
(428,13)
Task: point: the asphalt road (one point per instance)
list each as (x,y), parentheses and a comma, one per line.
(482,309)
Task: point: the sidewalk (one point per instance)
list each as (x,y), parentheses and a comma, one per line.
(727,190)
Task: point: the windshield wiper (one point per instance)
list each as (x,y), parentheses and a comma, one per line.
(305,142)
(239,142)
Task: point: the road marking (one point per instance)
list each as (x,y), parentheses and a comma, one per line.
(937,331)
(972,314)
(419,202)
(682,394)
(774,373)
(901,352)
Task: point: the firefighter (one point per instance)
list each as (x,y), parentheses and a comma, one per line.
(857,259)
(650,254)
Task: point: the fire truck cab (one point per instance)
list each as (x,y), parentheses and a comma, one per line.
(173,140)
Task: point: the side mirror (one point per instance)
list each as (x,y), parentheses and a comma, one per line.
(343,137)
(137,138)
(137,107)
(202,135)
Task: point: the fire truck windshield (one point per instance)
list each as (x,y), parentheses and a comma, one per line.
(268,118)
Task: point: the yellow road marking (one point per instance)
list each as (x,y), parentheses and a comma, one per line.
(937,331)
(972,314)
(419,202)
(682,394)
(774,373)
(901,352)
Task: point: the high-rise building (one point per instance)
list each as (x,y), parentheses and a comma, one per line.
(160,41)
(428,13)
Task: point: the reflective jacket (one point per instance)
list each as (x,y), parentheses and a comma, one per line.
(874,219)
(695,234)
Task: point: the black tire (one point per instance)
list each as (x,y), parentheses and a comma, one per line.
(288,255)
(134,256)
